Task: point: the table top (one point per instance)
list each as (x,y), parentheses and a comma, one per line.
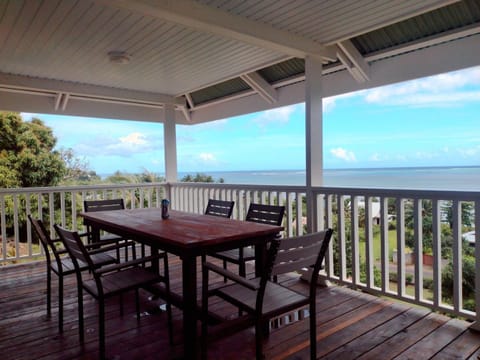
(181,230)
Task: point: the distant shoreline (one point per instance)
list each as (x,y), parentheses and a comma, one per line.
(421,178)
(193,172)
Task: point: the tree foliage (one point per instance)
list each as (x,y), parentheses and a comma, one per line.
(27,155)
(77,169)
(199,177)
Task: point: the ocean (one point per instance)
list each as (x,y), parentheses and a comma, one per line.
(439,178)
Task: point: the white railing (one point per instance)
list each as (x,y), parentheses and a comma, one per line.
(371,226)
(59,205)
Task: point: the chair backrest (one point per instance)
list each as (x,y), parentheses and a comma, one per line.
(265,214)
(47,243)
(103,205)
(220,208)
(75,247)
(306,251)
(291,254)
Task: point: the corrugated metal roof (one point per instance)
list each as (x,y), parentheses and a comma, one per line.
(451,17)
(436,22)
(223,89)
(283,70)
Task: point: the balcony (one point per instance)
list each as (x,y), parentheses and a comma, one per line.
(353,315)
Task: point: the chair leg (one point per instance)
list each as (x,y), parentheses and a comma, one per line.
(80,313)
(259,327)
(204,316)
(225,267)
(134,251)
(49,292)
(101,326)
(60,303)
(137,304)
(313,333)
(168,298)
(242,271)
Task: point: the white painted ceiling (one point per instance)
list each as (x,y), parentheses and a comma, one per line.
(54,53)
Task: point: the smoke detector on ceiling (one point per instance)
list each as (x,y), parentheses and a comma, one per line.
(118,57)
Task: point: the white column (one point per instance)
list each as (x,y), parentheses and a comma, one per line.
(313,133)
(170,144)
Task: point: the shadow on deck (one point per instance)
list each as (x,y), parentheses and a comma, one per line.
(351,325)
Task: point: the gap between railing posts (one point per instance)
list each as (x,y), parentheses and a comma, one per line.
(58,205)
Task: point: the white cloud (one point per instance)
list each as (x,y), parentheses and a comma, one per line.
(343,154)
(469,152)
(275,116)
(207,157)
(376,157)
(135,138)
(445,89)
(128,145)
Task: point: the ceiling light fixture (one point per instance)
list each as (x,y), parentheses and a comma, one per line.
(119,57)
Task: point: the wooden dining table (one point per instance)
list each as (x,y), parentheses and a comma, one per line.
(189,236)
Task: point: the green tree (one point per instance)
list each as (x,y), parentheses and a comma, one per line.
(199,177)
(27,155)
(77,170)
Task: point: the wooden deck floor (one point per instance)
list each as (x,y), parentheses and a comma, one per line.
(351,325)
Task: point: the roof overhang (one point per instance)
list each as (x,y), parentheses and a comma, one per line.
(212,59)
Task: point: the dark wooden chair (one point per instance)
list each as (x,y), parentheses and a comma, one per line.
(222,208)
(60,263)
(112,280)
(261,299)
(108,205)
(264,214)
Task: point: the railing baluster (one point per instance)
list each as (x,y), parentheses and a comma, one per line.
(384,245)
(400,205)
(3,223)
(369,256)
(355,240)
(437,255)
(342,259)
(457,257)
(476,324)
(418,235)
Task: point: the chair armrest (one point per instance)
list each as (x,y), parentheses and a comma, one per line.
(116,267)
(229,275)
(97,248)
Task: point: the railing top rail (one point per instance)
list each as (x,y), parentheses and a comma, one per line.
(376,192)
(402,193)
(253,187)
(50,189)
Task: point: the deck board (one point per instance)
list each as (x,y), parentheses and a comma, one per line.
(350,325)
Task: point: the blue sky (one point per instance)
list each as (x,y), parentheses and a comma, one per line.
(433,121)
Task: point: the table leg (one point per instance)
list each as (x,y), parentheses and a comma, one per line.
(260,257)
(189,279)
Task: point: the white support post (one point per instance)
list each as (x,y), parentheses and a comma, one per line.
(170,144)
(313,133)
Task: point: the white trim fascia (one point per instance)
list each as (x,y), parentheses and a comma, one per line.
(55,86)
(218,22)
